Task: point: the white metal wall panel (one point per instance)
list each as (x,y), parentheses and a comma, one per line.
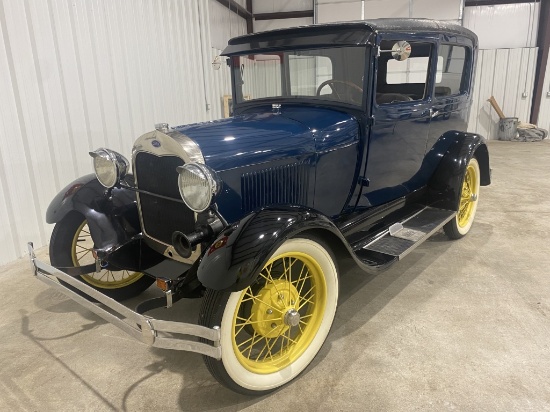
(224,25)
(274,6)
(81,74)
(263,25)
(221,84)
(375,9)
(437,9)
(507,74)
(504,26)
(340,10)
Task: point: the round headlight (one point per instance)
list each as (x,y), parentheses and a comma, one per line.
(197,184)
(109,166)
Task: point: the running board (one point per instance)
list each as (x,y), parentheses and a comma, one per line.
(402,238)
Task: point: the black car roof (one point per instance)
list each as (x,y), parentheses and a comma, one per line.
(341,33)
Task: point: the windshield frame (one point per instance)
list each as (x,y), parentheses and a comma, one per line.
(239,104)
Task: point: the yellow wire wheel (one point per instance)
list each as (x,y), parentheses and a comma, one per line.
(82,254)
(275,321)
(274,328)
(469,198)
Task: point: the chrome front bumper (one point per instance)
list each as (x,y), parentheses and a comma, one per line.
(153,332)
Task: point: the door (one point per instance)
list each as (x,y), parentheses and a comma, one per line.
(451,98)
(402,114)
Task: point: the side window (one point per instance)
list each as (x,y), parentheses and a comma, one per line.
(402,81)
(451,61)
(412,70)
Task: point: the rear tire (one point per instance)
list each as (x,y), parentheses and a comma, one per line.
(461,224)
(71,245)
(272,330)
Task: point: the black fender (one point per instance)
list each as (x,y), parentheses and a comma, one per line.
(112,217)
(445,184)
(236,257)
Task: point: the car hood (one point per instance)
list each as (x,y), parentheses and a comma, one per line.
(261,136)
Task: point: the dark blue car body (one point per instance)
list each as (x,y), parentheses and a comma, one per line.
(346,172)
(346,139)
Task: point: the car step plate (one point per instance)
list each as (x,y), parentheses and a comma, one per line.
(403,237)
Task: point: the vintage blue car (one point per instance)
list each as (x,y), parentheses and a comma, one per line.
(347,139)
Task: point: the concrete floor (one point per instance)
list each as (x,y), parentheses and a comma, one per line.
(457,325)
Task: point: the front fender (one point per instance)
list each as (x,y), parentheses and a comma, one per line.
(112,220)
(445,184)
(236,258)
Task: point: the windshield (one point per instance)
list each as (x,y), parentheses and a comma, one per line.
(329,74)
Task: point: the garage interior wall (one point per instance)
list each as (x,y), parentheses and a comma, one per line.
(506,63)
(81,74)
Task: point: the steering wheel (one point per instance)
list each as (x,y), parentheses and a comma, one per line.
(349,85)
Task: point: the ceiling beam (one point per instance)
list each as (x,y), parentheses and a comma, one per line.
(236,8)
(284,15)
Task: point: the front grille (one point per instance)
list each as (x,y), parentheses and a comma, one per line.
(160,216)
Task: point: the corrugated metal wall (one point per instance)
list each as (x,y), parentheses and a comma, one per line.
(225,24)
(504,26)
(79,74)
(344,10)
(507,74)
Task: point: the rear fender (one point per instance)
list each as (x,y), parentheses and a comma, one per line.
(235,259)
(445,184)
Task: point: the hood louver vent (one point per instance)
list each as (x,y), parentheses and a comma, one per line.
(282,185)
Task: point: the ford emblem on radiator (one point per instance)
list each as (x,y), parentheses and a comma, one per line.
(155,143)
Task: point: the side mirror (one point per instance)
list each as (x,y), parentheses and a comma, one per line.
(217,63)
(400,50)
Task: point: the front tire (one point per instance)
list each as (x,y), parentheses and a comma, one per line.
(461,224)
(273,329)
(71,245)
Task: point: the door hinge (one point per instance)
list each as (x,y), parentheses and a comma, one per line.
(363,181)
(371,121)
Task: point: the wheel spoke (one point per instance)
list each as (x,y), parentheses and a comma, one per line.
(243,324)
(255,298)
(249,348)
(246,341)
(307,301)
(305,295)
(289,339)
(262,351)
(303,284)
(253,322)
(273,344)
(79,258)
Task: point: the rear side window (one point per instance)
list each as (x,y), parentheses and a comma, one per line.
(451,61)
